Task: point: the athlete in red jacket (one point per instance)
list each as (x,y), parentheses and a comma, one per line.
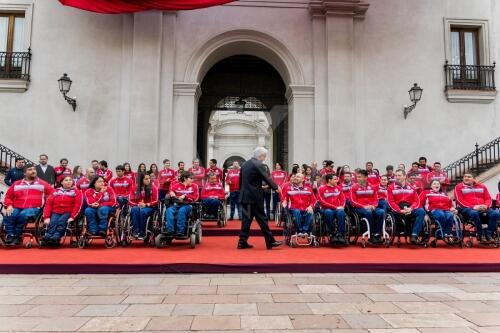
(101,202)
(332,203)
(104,172)
(439,205)
(23,200)
(373,175)
(300,200)
(165,178)
(403,199)
(212,168)
(438,174)
(198,173)
(185,192)
(364,199)
(211,195)
(233,180)
(143,202)
(62,207)
(61,171)
(473,200)
(122,186)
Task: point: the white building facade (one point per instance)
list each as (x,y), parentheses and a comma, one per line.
(345,67)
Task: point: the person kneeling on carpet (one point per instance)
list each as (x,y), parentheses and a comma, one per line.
(211,196)
(62,207)
(300,200)
(183,193)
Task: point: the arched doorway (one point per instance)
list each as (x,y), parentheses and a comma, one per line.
(240,96)
(229,161)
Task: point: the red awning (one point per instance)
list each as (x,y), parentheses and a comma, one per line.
(130,6)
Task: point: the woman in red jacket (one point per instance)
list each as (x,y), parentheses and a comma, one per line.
(440,207)
(62,207)
(101,202)
(143,201)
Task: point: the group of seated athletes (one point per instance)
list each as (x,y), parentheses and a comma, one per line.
(98,194)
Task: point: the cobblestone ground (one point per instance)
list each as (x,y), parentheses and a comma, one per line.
(403,303)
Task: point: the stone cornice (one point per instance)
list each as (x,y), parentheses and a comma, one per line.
(352,8)
(187,89)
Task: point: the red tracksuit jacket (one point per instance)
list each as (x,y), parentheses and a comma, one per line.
(191,192)
(107,174)
(279,177)
(424,172)
(22,194)
(216,171)
(346,189)
(382,192)
(402,193)
(441,176)
(373,178)
(299,197)
(233,180)
(165,178)
(198,175)
(326,171)
(83,184)
(469,196)
(213,191)
(61,173)
(362,196)
(107,198)
(137,199)
(122,186)
(64,201)
(430,200)
(331,197)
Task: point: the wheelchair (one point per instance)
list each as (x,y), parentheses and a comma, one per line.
(469,232)
(125,228)
(193,231)
(324,238)
(110,239)
(360,228)
(291,235)
(278,215)
(221,217)
(436,231)
(30,230)
(72,232)
(403,228)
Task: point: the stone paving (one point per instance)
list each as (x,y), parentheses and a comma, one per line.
(402,303)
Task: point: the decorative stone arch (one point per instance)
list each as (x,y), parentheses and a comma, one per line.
(300,96)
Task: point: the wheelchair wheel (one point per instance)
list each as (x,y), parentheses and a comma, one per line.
(278,215)
(222,220)
(353,227)
(109,241)
(319,229)
(39,229)
(199,234)
(124,227)
(161,241)
(288,229)
(192,240)
(82,242)
(390,229)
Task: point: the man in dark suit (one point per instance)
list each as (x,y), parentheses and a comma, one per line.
(253,175)
(45,171)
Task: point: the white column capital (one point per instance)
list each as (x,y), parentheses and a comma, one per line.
(296,91)
(350,8)
(187,89)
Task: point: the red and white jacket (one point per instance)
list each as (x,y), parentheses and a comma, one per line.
(130,175)
(362,196)
(420,180)
(346,189)
(83,184)
(279,177)
(165,178)
(106,198)
(141,198)
(397,193)
(373,178)
(22,194)
(233,179)
(430,200)
(216,171)
(64,201)
(213,191)
(191,192)
(61,172)
(382,192)
(299,197)
(122,186)
(198,175)
(331,197)
(424,172)
(391,178)
(106,174)
(441,176)
(468,196)
(326,171)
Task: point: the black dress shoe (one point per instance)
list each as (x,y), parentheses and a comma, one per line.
(242,246)
(273,244)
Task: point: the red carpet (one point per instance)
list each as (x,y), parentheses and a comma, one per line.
(219,254)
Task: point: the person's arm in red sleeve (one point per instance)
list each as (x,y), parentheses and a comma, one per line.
(196,193)
(422,198)
(459,196)
(132,201)
(321,198)
(112,197)
(9,196)
(416,201)
(354,198)
(78,204)
(313,199)
(487,197)
(204,194)
(48,190)
(221,194)
(390,201)
(154,197)
(47,210)
(342,198)
(88,196)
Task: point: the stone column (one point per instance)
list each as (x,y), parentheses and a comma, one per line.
(185,121)
(300,123)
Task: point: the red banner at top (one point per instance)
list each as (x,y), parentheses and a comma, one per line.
(130,6)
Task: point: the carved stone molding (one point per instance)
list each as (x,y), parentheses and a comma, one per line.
(352,8)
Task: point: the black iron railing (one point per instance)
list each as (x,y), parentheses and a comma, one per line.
(470,77)
(15,65)
(8,159)
(476,162)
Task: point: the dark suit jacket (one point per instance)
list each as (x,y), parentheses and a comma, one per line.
(49,175)
(252,175)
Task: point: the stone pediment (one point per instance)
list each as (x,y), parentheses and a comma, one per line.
(353,8)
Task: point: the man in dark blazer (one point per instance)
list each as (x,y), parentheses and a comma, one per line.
(45,171)
(252,176)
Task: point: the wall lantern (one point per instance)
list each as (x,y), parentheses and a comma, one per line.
(415,95)
(64,88)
